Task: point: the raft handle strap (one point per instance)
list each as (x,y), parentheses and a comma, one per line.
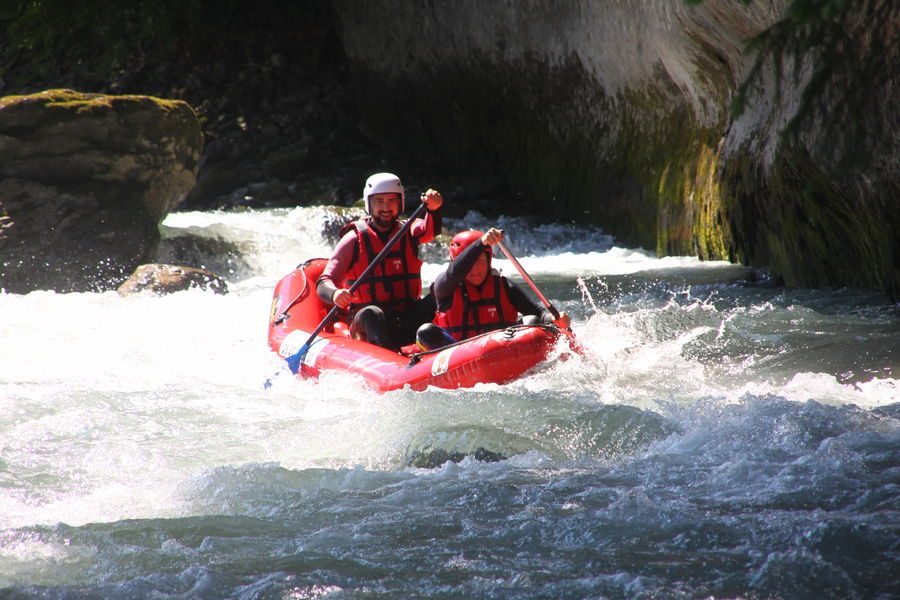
(508,332)
(284,316)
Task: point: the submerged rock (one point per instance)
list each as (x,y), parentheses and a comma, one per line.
(165,279)
(85,179)
(436,457)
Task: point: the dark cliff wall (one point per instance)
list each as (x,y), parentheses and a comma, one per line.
(605,107)
(820,206)
(618,113)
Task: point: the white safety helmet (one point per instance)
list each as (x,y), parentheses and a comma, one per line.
(383,183)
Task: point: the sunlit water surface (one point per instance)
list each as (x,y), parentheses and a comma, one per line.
(724,438)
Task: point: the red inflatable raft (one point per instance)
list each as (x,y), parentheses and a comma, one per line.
(496,357)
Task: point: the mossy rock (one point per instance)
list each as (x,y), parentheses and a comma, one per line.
(86,180)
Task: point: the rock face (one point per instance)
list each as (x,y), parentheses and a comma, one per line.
(619,113)
(85,179)
(822,208)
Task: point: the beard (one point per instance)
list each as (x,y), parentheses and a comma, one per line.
(384,224)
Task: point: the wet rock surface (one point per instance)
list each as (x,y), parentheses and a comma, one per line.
(620,114)
(161,279)
(85,180)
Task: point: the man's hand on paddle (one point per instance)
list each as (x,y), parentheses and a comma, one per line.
(432,199)
(342,299)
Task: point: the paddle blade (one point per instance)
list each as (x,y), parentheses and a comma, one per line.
(574,344)
(294,361)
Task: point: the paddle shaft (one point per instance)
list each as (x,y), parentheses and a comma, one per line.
(528,279)
(362,278)
(573,343)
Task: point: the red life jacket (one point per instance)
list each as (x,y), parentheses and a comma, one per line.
(395,283)
(477,309)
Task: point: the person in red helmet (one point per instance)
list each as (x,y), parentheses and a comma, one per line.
(472,298)
(385,309)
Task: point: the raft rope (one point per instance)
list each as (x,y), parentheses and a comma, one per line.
(508,332)
(284,316)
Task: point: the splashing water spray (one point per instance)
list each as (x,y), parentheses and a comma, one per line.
(586,294)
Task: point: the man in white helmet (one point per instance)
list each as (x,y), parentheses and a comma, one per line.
(386,309)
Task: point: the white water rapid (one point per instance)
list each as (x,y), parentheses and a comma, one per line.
(726,437)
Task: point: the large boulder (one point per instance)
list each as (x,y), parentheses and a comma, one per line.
(85,180)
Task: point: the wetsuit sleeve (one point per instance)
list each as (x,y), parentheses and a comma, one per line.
(525,305)
(332,277)
(425,230)
(448,280)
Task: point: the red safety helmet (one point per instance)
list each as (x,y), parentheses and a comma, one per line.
(462,240)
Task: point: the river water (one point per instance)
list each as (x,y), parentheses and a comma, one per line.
(725,437)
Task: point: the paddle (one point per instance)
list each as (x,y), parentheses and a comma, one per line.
(528,279)
(295,359)
(573,343)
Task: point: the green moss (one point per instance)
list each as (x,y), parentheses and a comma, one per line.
(57,95)
(692,217)
(81,101)
(802,224)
